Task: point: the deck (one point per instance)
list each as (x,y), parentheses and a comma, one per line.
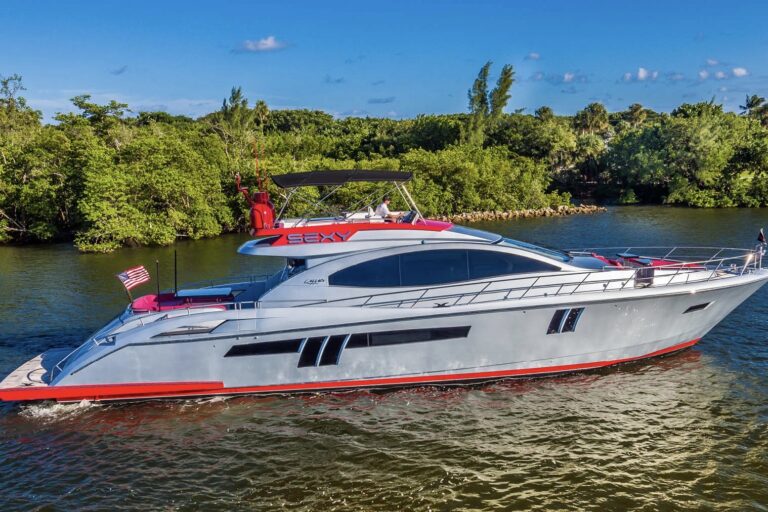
(32,373)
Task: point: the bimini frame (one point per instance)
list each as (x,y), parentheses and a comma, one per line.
(292,183)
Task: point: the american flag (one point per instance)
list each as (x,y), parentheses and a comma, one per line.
(133,277)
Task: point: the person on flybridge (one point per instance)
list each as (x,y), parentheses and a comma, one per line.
(383,211)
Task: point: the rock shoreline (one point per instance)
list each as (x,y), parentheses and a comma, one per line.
(560,211)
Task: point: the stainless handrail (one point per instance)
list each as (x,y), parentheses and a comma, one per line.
(679,267)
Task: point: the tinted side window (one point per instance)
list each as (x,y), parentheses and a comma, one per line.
(382,272)
(433,267)
(490,264)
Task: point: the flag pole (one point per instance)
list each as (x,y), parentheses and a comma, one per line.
(157,276)
(175,274)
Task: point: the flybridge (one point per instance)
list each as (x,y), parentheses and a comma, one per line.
(265,220)
(337,237)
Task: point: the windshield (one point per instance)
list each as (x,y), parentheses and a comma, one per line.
(544,251)
(485,235)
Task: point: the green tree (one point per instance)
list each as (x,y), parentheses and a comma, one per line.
(593,120)
(478,105)
(751,104)
(635,115)
(485,109)
(152,191)
(544,114)
(756,107)
(500,94)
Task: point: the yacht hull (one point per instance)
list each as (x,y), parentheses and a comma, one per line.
(312,349)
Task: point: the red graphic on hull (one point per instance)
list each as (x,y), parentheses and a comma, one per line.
(190,389)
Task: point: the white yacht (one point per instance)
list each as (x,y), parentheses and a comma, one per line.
(366,303)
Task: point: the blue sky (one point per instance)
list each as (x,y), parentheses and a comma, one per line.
(393,58)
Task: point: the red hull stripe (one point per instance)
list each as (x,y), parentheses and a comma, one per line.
(105,391)
(182,389)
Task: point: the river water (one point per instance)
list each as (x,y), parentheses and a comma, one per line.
(683,432)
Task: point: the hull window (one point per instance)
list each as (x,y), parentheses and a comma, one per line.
(265,348)
(310,352)
(697,307)
(564,320)
(572,319)
(557,319)
(332,350)
(358,340)
(379,339)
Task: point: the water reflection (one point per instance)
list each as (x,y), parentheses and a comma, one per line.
(680,432)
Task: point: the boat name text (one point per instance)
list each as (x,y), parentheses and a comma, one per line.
(318,238)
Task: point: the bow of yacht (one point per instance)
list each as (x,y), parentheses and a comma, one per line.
(366,303)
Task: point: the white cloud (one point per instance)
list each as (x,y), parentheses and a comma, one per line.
(720,75)
(740,72)
(675,77)
(266,44)
(566,77)
(703,74)
(642,75)
(533,56)
(712,62)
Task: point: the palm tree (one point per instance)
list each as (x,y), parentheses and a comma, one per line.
(752,104)
(544,114)
(593,119)
(635,115)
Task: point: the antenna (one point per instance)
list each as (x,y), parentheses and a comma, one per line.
(157,273)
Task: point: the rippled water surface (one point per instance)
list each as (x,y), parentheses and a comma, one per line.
(684,432)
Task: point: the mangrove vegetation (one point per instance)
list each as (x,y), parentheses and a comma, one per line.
(105,177)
